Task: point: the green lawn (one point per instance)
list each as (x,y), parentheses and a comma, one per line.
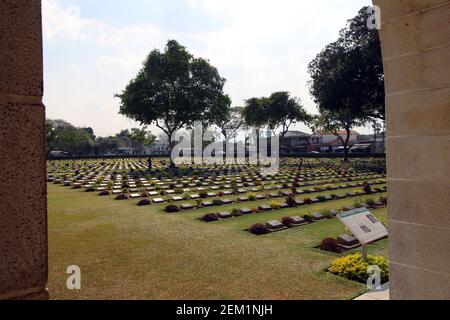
(130,252)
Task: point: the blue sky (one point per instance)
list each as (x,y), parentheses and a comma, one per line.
(92,48)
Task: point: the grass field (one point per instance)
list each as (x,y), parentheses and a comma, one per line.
(130,252)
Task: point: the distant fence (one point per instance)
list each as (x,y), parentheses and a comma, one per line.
(296,155)
(334,155)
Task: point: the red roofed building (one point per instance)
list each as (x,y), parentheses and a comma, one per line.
(330,143)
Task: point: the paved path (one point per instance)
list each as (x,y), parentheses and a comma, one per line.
(382,294)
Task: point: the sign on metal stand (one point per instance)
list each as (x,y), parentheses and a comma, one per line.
(364,226)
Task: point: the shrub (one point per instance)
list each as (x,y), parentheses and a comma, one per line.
(203,194)
(252,196)
(290,200)
(308,218)
(287,221)
(354,267)
(178,190)
(217,202)
(162,193)
(321,198)
(104,193)
(330,244)
(275,205)
(383,200)
(209,217)
(121,197)
(235,212)
(144,194)
(367,188)
(327,213)
(370,202)
(358,204)
(171,208)
(258,229)
(334,195)
(307,200)
(144,202)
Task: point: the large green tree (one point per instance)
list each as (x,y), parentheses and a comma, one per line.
(283,111)
(255,112)
(365,45)
(173,90)
(140,137)
(255,116)
(62,136)
(278,112)
(348,90)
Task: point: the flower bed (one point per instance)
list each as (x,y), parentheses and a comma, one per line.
(354,267)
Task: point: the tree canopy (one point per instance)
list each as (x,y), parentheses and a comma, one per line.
(63,136)
(279,111)
(255,112)
(366,45)
(173,90)
(283,111)
(231,123)
(347,79)
(348,74)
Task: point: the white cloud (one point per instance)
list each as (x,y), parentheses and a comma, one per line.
(117,65)
(126,35)
(67,23)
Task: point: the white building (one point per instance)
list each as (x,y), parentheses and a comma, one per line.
(158,147)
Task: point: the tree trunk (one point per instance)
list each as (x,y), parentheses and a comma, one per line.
(257,147)
(225,149)
(149,163)
(172,146)
(345,153)
(347,139)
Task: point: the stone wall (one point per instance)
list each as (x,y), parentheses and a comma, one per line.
(415,37)
(23,205)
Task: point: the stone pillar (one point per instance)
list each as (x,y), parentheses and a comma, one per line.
(23,204)
(415,37)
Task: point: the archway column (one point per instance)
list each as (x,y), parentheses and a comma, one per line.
(415,37)
(23,204)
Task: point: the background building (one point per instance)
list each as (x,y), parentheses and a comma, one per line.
(295,142)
